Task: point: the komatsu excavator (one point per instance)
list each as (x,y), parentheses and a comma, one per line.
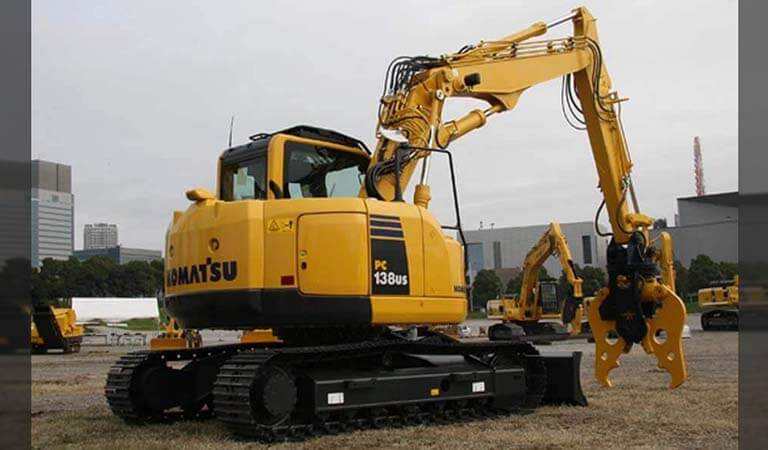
(720,305)
(309,235)
(538,304)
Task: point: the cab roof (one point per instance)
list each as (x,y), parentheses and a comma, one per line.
(260,141)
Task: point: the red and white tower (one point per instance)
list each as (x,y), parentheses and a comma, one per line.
(698,167)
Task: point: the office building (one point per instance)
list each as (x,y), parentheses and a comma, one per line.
(120,255)
(100,235)
(52,212)
(706,225)
(504,249)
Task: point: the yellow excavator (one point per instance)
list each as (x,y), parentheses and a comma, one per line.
(309,234)
(539,305)
(174,337)
(720,305)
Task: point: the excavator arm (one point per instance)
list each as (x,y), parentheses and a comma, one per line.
(637,304)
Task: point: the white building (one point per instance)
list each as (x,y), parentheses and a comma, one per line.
(706,225)
(505,248)
(99,235)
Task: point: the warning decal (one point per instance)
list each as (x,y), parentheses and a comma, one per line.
(280,225)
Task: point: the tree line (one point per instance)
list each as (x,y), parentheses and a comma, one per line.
(688,280)
(98,276)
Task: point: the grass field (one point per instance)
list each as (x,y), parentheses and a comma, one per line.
(639,412)
(146,324)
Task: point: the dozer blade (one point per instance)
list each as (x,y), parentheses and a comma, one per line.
(564,380)
(670,318)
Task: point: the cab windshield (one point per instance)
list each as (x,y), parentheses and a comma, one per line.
(313,171)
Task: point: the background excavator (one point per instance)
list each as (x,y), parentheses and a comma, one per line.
(720,305)
(309,234)
(174,337)
(539,305)
(55,328)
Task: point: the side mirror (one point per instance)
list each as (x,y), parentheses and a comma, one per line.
(199,195)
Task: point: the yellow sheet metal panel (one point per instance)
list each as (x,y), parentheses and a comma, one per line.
(280,220)
(443,261)
(395,310)
(333,254)
(215,245)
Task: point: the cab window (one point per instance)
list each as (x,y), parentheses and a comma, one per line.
(244,180)
(313,171)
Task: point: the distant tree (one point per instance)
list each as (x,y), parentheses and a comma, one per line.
(95,274)
(660,223)
(54,279)
(593,278)
(514,285)
(728,270)
(133,279)
(681,280)
(158,272)
(98,276)
(702,272)
(486,286)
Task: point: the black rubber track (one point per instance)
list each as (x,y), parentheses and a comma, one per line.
(123,398)
(232,389)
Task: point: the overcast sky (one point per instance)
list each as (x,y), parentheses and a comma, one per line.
(137,96)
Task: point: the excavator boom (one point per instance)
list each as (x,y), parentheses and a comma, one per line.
(637,304)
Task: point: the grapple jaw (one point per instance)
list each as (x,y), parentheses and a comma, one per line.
(663,333)
(636,308)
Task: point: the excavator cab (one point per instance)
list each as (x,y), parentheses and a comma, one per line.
(288,242)
(301,162)
(548,297)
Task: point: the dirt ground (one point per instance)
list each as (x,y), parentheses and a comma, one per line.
(69,410)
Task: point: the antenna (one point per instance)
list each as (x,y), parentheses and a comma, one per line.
(231,125)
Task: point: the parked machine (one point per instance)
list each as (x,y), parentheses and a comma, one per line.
(55,328)
(539,308)
(173,337)
(309,234)
(720,305)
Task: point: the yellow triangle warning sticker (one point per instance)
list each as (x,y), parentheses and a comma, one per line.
(273,226)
